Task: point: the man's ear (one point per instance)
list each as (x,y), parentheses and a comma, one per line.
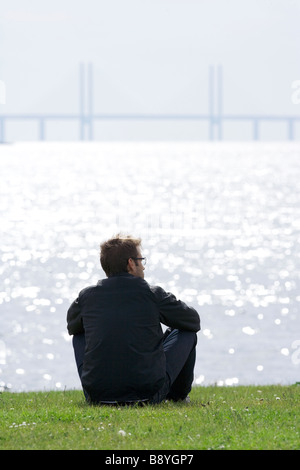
(130,265)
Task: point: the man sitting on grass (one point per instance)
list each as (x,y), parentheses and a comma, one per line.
(121,352)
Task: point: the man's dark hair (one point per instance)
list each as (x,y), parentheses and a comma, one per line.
(115,253)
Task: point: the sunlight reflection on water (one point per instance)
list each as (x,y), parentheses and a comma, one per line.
(220,225)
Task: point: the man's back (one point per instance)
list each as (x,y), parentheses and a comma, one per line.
(124,357)
(121,319)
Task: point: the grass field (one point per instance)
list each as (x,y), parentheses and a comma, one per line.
(254,417)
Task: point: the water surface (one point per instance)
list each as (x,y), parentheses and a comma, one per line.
(220,224)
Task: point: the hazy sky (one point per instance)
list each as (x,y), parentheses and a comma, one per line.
(150,56)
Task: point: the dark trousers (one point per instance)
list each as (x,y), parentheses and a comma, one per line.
(180,351)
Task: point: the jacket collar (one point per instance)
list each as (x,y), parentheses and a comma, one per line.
(121,274)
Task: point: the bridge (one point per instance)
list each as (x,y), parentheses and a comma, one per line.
(86,116)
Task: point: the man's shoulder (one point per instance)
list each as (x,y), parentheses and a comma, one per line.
(157,289)
(86,291)
(132,283)
(123,281)
(135,283)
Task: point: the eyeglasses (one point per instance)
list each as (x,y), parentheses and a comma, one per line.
(143,260)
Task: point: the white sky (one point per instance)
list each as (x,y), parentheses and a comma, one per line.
(150,56)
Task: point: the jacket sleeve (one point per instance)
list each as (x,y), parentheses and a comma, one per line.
(74,321)
(175,313)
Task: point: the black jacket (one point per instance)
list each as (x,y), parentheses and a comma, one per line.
(121,317)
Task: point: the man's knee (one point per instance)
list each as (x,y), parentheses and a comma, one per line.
(178,339)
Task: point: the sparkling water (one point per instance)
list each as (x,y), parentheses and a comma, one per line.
(220,224)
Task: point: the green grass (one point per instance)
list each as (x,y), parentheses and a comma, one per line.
(266,417)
